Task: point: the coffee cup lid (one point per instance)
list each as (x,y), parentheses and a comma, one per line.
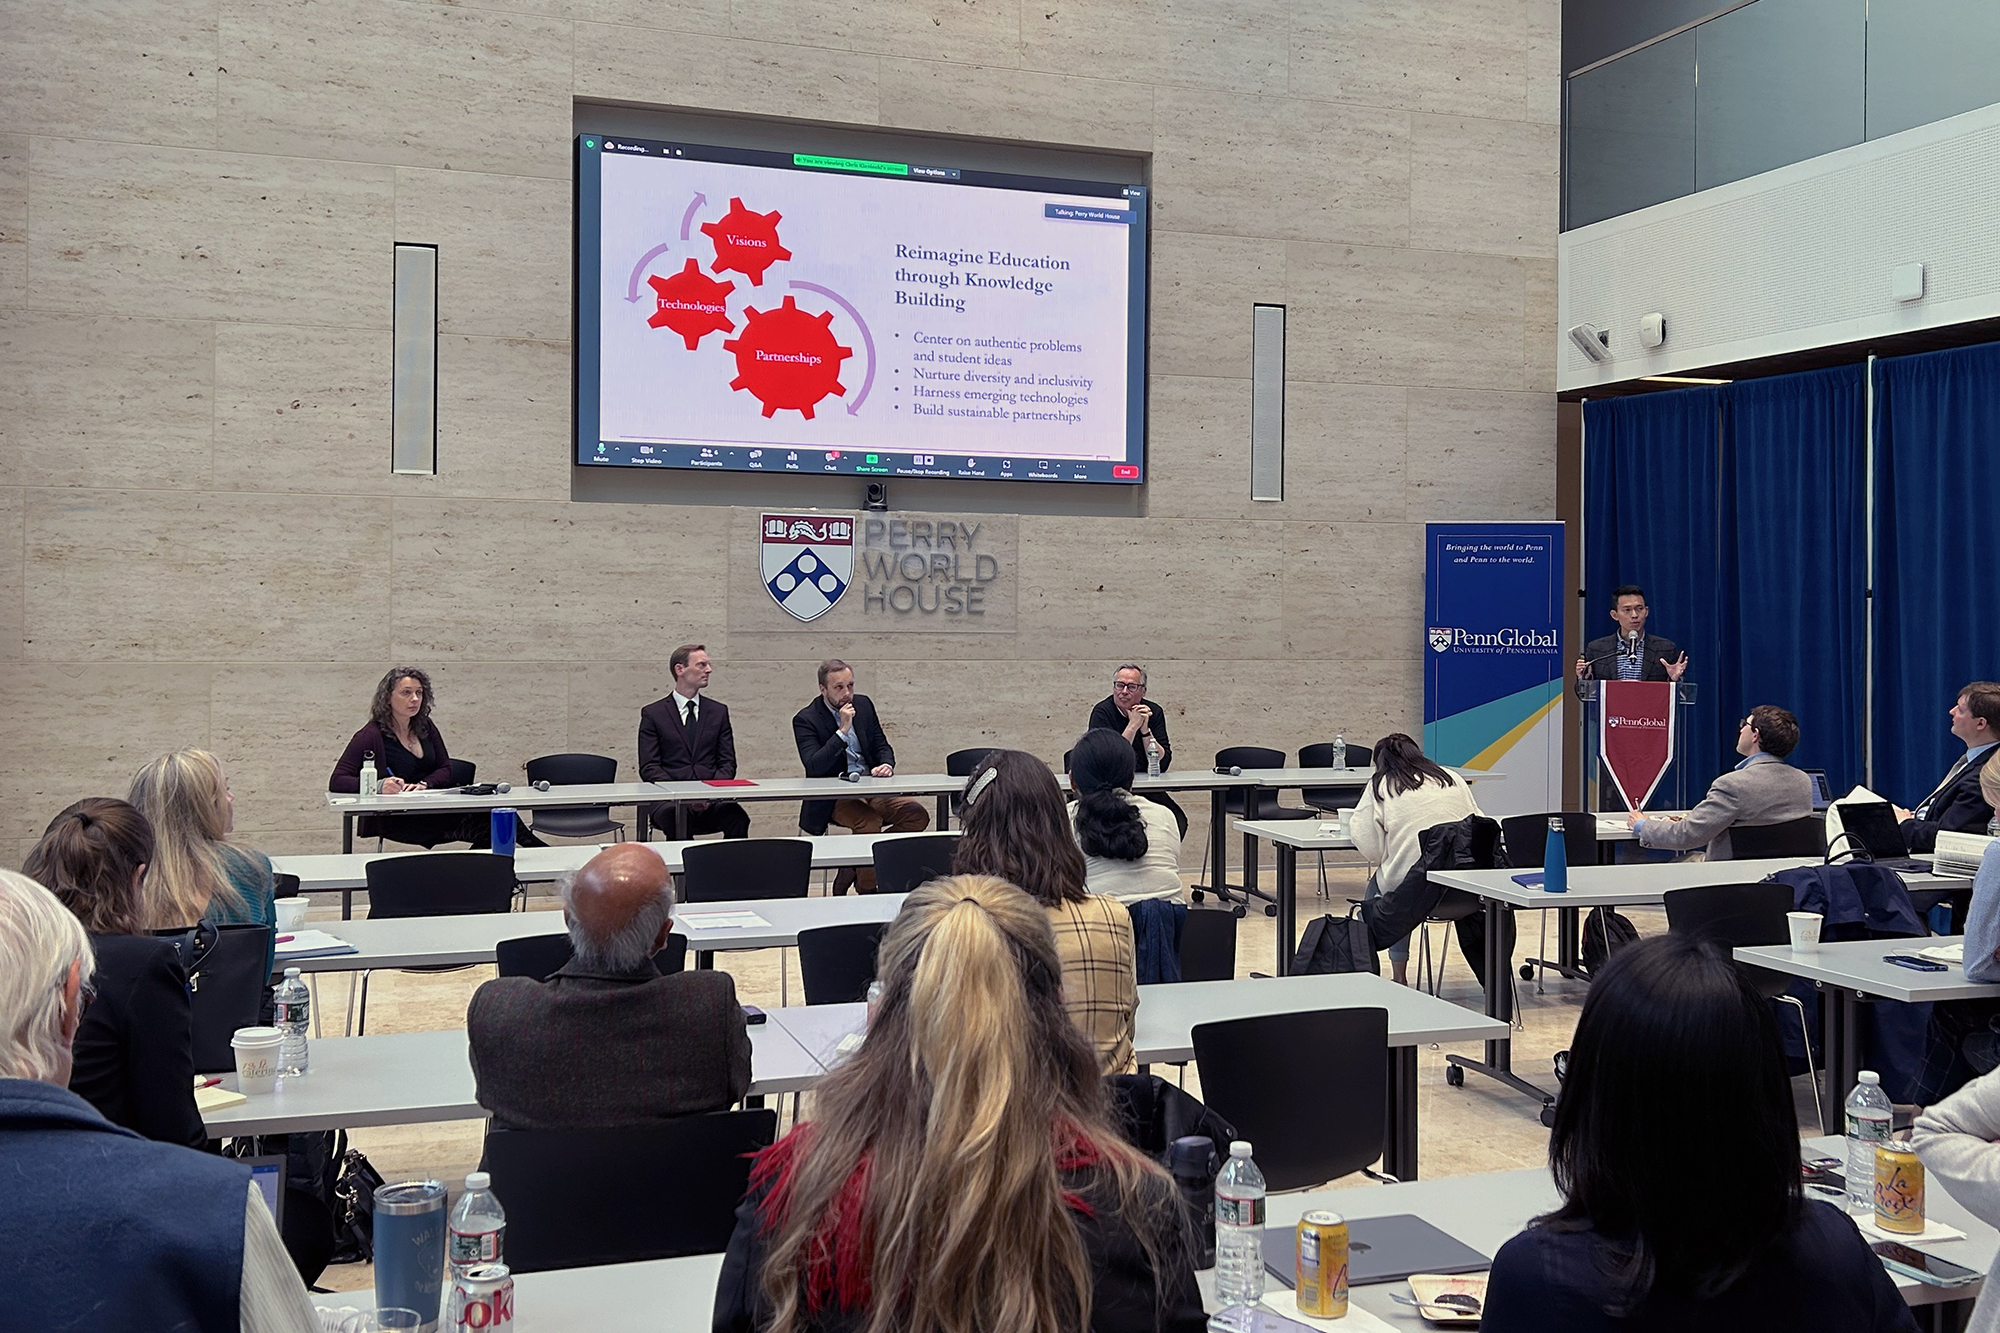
(258,1036)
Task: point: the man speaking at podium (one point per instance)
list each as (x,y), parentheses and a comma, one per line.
(1631,653)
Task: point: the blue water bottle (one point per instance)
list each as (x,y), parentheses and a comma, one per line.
(409,1248)
(502,825)
(1555,859)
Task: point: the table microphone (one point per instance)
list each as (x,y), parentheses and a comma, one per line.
(502,788)
(1232,770)
(540,784)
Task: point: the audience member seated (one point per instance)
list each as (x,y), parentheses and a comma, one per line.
(1956,804)
(686,737)
(1713,1235)
(1017,828)
(1763,789)
(1960,1041)
(839,734)
(1131,847)
(1127,711)
(607,1042)
(963,1169)
(102,1229)
(133,1056)
(1407,795)
(197,874)
(1958,1141)
(409,755)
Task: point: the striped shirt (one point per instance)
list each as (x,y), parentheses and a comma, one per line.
(1100,977)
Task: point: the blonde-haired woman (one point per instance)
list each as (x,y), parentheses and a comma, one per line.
(197,874)
(963,1170)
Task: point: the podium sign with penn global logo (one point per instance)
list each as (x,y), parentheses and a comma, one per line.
(1635,735)
(1493,664)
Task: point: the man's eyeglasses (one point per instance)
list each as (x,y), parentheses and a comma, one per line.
(1126,685)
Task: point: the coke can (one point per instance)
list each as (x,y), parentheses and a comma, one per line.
(482,1301)
(1322,1265)
(1899,1188)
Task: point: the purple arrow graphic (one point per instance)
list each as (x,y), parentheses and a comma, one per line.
(867,339)
(632,286)
(687,218)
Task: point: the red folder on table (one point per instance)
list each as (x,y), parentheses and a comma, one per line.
(727,782)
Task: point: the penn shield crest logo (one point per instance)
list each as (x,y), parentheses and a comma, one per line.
(1440,637)
(807,561)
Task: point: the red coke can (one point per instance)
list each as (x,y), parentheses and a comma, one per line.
(482,1301)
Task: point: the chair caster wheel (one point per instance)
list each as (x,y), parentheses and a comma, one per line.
(1549,1115)
(1270,911)
(1239,911)
(1194,895)
(1527,972)
(1454,1076)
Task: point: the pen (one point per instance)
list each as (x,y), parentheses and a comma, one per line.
(286,939)
(208,1082)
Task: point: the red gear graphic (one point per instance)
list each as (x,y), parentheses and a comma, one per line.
(787,357)
(746,242)
(690,303)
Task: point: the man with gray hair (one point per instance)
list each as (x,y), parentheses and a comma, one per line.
(103,1229)
(1142,722)
(607,1041)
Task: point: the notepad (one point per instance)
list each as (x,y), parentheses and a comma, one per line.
(311,944)
(722,921)
(1531,879)
(216,1099)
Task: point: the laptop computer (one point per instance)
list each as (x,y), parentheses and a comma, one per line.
(1874,826)
(267,1173)
(1380,1249)
(1822,792)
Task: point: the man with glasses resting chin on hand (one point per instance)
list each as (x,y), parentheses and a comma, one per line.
(1129,711)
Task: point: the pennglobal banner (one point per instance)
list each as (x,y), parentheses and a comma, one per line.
(1493,664)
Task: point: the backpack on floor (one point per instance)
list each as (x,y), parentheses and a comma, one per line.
(1336,944)
(1605,932)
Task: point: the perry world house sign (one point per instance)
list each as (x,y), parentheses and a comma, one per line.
(894,572)
(807,561)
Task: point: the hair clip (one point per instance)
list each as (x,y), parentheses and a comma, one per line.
(984,781)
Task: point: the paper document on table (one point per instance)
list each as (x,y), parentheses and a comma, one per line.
(216,1099)
(311,944)
(1934,1230)
(1944,953)
(722,921)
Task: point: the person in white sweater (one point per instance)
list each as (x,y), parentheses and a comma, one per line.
(1958,1141)
(1407,795)
(1131,847)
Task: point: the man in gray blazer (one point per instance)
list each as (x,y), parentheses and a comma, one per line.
(607,1042)
(1763,789)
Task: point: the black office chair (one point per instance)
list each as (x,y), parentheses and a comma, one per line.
(836,963)
(574,770)
(463,772)
(732,869)
(1310,1090)
(959,764)
(1526,838)
(1794,837)
(539,956)
(1266,807)
(435,884)
(1331,799)
(903,863)
(1739,916)
(1208,945)
(581,1197)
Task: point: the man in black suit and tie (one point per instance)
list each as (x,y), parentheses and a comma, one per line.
(1631,653)
(685,737)
(839,733)
(1956,805)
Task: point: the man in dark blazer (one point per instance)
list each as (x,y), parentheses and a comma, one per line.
(1128,711)
(685,737)
(1957,805)
(607,1042)
(839,733)
(1609,657)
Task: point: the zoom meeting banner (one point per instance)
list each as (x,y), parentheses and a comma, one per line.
(1493,668)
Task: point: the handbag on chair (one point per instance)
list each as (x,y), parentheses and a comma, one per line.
(227,985)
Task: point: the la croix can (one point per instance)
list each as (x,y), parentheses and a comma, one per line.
(1322,1265)
(482,1301)
(1899,1188)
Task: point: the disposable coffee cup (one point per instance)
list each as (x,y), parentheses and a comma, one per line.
(291,914)
(1346,817)
(1805,930)
(256,1059)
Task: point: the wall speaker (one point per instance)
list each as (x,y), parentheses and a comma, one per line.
(1267,402)
(413,427)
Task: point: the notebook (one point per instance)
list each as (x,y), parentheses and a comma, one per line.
(311,944)
(1380,1249)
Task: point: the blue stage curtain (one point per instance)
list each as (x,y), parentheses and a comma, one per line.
(1937,474)
(1794,562)
(1650,518)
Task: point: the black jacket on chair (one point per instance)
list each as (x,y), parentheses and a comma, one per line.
(1473,843)
(134,1053)
(824,753)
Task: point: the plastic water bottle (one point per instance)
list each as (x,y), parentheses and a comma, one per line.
(1152,757)
(1340,749)
(293,1005)
(478,1226)
(1868,1119)
(371,781)
(1239,1229)
(1555,859)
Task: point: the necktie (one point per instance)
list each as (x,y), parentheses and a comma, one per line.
(694,714)
(1924,811)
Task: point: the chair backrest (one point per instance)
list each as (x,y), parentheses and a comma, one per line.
(1249,756)
(836,963)
(463,772)
(1527,838)
(735,868)
(285,886)
(1733,915)
(440,884)
(578,1197)
(1322,756)
(903,863)
(1309,1090)
(570,770)
(1805,836)
(1208,945)
(539,956)
(960,763)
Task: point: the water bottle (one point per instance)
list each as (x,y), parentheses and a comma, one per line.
(371,782)
(478,1227)
(1191,1160)
(1340,749)
(1868,1119)
(1555,859)
(1239,1229)
(1152,757)
(293,1005)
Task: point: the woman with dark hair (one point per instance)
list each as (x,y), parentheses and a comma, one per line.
(1407,795)
(1676,1151)
(1016,828)
(409,754)
(1131,847)
(962,1170)
(133,1058)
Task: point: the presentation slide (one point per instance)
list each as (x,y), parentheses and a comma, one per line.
(758,311)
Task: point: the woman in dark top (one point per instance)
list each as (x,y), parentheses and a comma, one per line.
(1676,1151)
(409,755)
(962,1169)
(133,1056)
